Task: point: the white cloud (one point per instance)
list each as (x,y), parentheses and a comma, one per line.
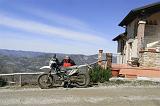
(20,41)
(40,28)
(61,19)
(88,43)
(12,40)
(41,45)
(53,17)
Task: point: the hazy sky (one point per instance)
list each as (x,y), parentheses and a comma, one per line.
(63,26)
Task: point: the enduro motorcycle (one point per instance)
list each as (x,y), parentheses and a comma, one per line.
(64,76)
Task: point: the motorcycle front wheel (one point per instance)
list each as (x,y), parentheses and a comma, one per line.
(82,80)
(45,81)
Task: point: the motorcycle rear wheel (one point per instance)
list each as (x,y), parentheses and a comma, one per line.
(45,81)
(83,80)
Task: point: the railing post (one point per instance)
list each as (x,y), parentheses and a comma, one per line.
(20,80)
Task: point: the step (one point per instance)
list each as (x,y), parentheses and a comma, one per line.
(140,72)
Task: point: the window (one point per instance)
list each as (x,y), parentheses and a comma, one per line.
(130,44)
(135,28)
(122,46)
(154,22)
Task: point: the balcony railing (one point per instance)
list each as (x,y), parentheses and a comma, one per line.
(150,42)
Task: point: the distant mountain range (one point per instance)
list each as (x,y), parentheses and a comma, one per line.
(19,53)
(12,61)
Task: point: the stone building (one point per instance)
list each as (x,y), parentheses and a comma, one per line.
(141,38)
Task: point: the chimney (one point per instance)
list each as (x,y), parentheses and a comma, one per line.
(100,57)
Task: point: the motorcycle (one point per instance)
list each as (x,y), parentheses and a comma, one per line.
(66,77)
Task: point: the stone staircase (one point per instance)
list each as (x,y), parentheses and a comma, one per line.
(134,72)
(140,72)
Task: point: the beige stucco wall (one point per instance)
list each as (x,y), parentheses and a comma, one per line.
(134,48)
(131,38)
(155,16)
(131,51)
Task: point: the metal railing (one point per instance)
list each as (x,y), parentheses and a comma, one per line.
(117,58)
(150,42)
(20,78)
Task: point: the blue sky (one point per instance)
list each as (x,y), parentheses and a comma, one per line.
(63,26)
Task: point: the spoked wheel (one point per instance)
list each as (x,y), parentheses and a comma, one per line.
(45,81)
(82,80)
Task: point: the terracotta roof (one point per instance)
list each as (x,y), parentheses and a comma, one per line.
(140,12)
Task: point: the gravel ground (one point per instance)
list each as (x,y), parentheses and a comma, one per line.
(93,96)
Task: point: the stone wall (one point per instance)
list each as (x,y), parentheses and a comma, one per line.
(150,59)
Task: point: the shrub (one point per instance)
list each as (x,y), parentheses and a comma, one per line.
(99,74)
(2,82)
